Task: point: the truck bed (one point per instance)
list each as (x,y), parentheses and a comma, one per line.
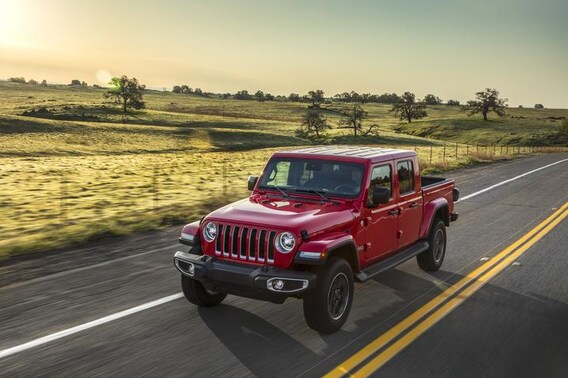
(428,181)
(436,187)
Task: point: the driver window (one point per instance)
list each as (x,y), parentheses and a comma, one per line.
(380,177)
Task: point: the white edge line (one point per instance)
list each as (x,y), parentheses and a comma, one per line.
(169,298)
(509,180)
(85,326)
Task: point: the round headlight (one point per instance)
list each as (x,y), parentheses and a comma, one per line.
(210,231)
(285,242)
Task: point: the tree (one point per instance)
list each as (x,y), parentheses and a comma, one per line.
(538,106)
(294,97)
(127,92)
(242,95)
(316,98)
(353,119)
(19,80)
(259,95)
(269,97)
(84,84)
(75,83)
(486,101)
(453,103)
(44,83)
(198,91)
(365,98)
(355,97)
(388,98)
(185,89)
(430,99)
(314,125)
(176,89)
(32,82)
(407,108)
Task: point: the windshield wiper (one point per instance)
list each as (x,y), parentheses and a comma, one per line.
(321,193)
(281,190)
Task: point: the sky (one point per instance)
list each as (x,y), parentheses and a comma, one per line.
(451,48)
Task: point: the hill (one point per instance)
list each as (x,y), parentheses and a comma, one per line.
(74,167)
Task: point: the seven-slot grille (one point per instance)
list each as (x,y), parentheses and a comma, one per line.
(245,243)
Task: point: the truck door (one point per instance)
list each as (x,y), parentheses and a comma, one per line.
(410,203)
(383,220)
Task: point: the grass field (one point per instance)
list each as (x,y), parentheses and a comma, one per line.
(79,169)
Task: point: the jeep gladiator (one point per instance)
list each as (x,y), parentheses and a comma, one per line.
(317,220)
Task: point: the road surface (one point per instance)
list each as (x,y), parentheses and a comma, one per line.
(113,308)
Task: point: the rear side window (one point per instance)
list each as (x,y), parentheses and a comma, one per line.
(380,177)
(405,176)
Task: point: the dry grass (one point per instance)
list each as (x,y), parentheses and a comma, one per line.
(80,173)
(60,200)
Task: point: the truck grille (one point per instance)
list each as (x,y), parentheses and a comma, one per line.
(245,243)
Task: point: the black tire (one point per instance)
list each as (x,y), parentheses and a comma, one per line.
(432,259)
(327,305)
(198,295)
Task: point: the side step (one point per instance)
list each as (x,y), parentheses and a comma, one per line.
(392,261)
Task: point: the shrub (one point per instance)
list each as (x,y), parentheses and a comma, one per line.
(19,80)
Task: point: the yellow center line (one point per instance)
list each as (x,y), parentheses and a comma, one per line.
(394,332)
(407,339)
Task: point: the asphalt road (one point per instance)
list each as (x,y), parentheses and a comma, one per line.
(516,325)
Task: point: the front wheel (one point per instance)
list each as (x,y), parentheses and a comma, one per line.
(327,306)
(432,259)
(199,295)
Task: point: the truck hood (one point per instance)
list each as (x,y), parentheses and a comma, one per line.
(285,214)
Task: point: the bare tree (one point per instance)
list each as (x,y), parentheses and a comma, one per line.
(314,125)
(353,119)
(486,101)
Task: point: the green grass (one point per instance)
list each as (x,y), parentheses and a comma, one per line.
(536,128)
(81,169)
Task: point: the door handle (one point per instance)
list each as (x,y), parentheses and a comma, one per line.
(393,212)
(414,204)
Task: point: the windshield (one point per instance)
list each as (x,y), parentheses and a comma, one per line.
(322,177)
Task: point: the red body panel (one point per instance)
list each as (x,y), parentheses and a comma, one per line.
(319,226)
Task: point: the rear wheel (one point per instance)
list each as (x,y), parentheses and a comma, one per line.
(199,295)
(432,259)
(327,306)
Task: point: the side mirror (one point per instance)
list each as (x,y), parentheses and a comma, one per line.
(380,196)
(252,180)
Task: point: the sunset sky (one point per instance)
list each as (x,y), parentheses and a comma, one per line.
(451,48)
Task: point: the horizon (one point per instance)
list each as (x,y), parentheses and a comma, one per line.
(451,49)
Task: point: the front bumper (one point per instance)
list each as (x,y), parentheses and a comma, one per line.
(265,283)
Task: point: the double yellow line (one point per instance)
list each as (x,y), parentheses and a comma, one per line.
(373,356)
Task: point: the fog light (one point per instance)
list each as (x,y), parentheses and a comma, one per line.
(278,284)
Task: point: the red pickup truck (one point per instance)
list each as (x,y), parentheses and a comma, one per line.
(317,220)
